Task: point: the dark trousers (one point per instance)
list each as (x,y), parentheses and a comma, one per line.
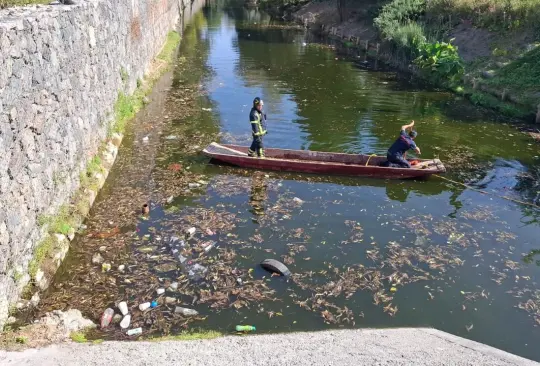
(256,147)
(398,160)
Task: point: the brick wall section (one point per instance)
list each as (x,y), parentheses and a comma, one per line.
(60,74)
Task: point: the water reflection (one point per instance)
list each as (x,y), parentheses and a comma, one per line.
(258,194)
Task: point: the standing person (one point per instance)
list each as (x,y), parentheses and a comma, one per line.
(258,128)
(398,151)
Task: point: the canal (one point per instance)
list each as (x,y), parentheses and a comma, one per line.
(363,252)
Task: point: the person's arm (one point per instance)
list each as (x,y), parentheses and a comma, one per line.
(406,127)
(417,150)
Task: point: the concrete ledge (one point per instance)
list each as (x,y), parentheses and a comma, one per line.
(402,346)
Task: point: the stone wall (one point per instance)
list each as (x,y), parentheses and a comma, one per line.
(61,69)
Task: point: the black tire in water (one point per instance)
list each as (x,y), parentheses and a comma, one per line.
(273,265)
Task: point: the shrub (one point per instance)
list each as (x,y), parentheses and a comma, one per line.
(400,11)
(441,61)
(408,35)
(398,23)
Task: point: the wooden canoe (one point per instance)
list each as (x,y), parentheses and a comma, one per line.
(316,162)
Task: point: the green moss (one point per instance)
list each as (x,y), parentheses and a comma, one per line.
(489,101)
(127,106)
(124,74)
(21,340)
(42,251)
(87,178)
(62,221)
(168,51)
(82,206)
(17,276)
(97,341)
(12,310)
(188,336)
(78,337)
(124,110)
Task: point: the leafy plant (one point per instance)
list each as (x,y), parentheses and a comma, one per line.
(441,61)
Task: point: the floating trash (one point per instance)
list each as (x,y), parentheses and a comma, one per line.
(245,328)
(122,306)
(185,311)
(133,332)
(145,209)
(144,306)
(106,318)
(126,321)
(97,259)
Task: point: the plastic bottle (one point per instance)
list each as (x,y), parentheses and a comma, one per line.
(144,306)
(122,306)
(135,331)
(186,311)
(209,247)
(106,318)
(245,328)
(191,231)
(124,324)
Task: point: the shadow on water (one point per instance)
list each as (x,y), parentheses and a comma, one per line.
(363,252)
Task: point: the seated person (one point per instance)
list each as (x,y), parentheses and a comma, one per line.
(398,151)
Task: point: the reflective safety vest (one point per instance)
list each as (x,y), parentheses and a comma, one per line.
(258,123)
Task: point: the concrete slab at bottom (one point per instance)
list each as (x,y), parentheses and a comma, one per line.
(402,346)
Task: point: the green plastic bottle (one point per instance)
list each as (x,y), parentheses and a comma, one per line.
(245,328)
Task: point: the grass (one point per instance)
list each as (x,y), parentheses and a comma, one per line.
(522,76)
(493,14)
(10,3)
(188,336)
(78,337)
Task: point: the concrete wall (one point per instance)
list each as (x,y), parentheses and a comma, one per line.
(61,69)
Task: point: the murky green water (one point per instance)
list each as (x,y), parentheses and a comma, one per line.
(454,255)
